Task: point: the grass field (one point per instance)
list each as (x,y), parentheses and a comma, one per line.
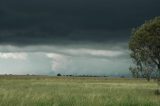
(76,91)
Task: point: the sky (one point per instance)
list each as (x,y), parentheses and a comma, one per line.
(80,37)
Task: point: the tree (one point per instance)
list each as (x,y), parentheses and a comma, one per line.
(59,74)
(135,72)
(145,48)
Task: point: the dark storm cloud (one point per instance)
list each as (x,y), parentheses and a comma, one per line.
(26,22)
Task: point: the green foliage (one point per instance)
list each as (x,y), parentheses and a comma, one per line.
(145,48)
(59,74)
(147,35)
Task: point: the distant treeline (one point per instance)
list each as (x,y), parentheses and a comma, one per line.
(58,75)
(71,75)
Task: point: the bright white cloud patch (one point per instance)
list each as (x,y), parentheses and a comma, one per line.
(21,56)
(65,60)
(93,52)
(79,64)
(87,65)
(59,62)
(25,63)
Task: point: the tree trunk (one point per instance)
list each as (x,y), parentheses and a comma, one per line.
(158,73)
(158,80)
(148,77)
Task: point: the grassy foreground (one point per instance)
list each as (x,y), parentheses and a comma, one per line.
(76,91)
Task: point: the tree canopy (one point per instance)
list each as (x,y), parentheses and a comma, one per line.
(145,49)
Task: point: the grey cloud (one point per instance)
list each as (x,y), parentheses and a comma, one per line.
(90,66)
(63,21)
(33,63)
(82,30)
(88,49)
(43,63)
(23,38)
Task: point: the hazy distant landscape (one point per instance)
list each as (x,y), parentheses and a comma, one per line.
(76,91)
(79,52)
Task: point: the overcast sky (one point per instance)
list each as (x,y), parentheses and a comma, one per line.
(69,36)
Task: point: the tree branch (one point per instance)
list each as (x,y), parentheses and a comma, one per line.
(154,61)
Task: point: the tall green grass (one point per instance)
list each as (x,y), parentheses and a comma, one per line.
(72,91)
